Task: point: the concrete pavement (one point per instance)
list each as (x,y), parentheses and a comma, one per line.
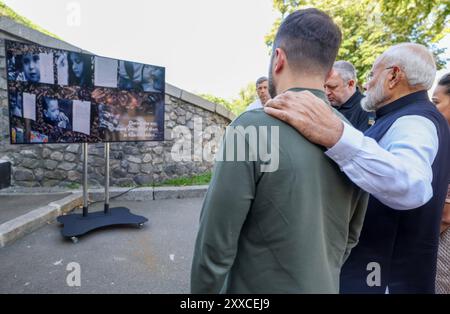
(154,259)
(12,206)
(24,210)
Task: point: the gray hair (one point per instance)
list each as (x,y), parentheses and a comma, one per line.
(416,62)
(261,80)
(346,70)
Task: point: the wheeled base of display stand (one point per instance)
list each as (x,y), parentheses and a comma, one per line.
(76,225)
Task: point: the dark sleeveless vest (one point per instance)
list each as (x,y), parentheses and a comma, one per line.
(403,242)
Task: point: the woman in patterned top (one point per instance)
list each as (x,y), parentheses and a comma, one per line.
(441,98)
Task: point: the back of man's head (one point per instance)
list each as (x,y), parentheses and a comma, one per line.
(310,40)
(346,70)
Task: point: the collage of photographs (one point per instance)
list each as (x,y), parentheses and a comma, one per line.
(58,96)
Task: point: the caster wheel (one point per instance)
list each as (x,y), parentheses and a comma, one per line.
(74,239)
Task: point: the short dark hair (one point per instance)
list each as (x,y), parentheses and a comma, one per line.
(261,80)
(445,81)
(310,39)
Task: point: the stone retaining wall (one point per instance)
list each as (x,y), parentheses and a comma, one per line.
(141,163)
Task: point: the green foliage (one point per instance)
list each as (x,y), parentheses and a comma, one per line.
(217,100)
(73,186)
(8,12)
(129,185)
(247,95)
(237,105)
(369,27)
(201,179)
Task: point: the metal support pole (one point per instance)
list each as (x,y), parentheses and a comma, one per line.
(85,179)
(106,178)
(76,225)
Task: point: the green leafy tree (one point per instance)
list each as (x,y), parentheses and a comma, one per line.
(237,105)
(369,27)
(246,96)
(217,100)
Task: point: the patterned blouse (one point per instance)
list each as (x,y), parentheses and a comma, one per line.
(443,262)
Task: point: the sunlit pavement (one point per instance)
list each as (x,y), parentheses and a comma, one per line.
(153,259)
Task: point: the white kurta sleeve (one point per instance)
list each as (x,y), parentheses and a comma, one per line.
(397,170)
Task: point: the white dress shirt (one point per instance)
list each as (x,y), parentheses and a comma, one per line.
(396,170)
(254,105)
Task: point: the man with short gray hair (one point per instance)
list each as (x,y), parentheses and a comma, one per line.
(262,91)
(402,161)
(344,95)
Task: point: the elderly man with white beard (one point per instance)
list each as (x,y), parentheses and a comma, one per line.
(402,161)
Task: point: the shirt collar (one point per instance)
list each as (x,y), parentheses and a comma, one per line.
(316,92)
(352,100)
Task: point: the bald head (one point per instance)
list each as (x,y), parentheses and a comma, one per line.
(415,60)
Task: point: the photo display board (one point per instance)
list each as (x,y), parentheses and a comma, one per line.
(59,96)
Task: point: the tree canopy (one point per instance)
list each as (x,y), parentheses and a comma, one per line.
(237,105)
(369,27)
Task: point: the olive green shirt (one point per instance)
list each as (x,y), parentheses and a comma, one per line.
(275,228)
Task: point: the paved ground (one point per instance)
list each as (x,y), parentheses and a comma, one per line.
(154,259)
(12,206)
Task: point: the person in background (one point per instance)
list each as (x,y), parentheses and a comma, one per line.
(344,95)
(262,90)
(286,226)
(441,98)
(402,161)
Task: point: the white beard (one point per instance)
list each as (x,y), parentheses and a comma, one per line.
(374,97)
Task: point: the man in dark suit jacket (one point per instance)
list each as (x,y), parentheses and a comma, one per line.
(344,95)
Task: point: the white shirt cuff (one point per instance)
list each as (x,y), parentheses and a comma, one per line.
(347,147)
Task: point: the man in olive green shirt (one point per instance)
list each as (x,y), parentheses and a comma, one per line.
(279,216)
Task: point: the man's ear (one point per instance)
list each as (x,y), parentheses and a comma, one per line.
(395,77)
(279,61)
(351,83)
